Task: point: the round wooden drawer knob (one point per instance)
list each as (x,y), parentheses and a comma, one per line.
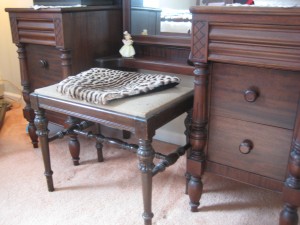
(250,95)
(246,146)
(43,63)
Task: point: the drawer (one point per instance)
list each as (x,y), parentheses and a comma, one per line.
(254,94)
(269,147)
(44,65)
(36,30)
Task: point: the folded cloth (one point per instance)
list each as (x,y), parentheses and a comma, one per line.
(101,85)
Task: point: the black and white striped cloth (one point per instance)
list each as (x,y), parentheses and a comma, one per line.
(101,85)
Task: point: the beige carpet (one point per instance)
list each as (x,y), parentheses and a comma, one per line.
(109,193)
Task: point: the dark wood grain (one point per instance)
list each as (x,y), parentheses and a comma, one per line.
(56,43)
(277,91)
(253,96)
(271,146)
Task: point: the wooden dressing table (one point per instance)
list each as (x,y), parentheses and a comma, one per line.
(246,118)
(55,43)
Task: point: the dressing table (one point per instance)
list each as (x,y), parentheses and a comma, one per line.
(55,43)
(246,117)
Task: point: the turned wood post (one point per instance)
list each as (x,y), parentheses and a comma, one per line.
(41,124)
(27,111)
(291,190)
(99,145)
(187,133)
(74,145)
(198,135)
(66,62)
(145,155)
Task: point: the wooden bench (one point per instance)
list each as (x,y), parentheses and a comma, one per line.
(141,115)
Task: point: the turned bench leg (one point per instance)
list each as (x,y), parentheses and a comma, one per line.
(145,155)
(99,145)
(74,145)
(41,123)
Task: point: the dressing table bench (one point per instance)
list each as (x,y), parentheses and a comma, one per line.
(140,115)
(246,118)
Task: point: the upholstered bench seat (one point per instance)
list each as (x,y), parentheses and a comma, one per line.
(143,106)
(141,115)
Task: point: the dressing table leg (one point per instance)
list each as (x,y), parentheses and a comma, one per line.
(198,135)
(188,123)
(145,155)
(291,190)
(195,187)
(41,124)
(27,111)
(74,145)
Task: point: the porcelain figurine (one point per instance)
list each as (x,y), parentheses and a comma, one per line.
(127,50)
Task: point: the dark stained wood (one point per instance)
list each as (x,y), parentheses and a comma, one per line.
(151,45)
(55,43)
(74,145)
(276,103)
(291,191)
(253,96)
(198,135)
(41,124)
(143,127)
(159,64)
(244,176)
(271,146)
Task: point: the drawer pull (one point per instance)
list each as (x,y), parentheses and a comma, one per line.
(246,146)
(43,63)
(251,95)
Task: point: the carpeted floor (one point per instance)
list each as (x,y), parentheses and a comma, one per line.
(109,193)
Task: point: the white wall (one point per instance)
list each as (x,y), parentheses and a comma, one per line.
(9,63)
(278,2)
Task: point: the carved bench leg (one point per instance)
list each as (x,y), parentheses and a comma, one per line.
(74,145)
(41,124)
(99,147)
(146,154)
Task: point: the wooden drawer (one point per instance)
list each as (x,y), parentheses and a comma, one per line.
(36,30)
(270,152)
(44,65)
(277,90)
